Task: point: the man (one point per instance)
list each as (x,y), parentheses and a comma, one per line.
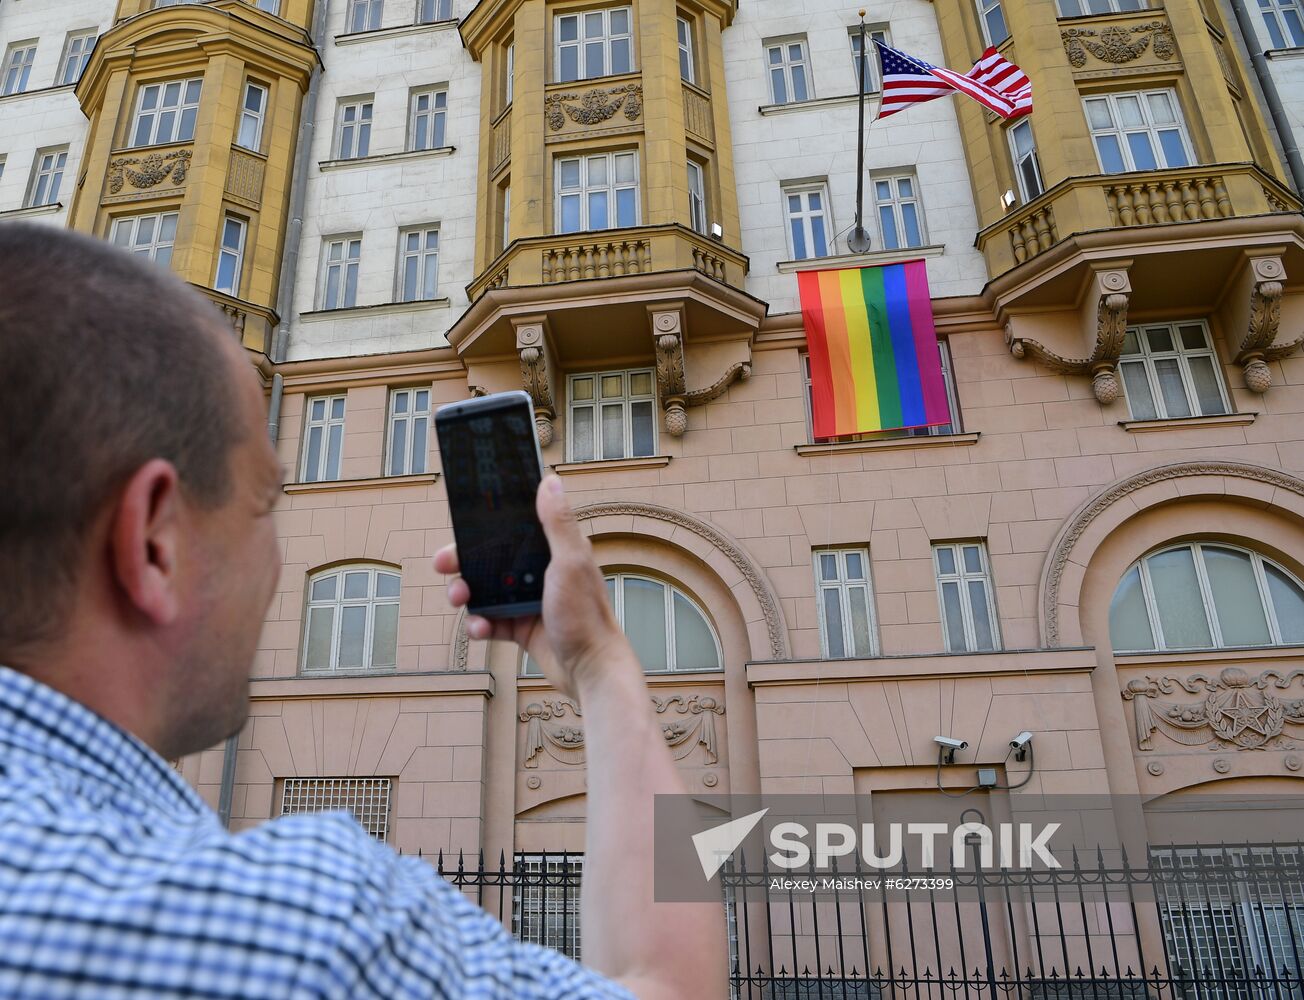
(137,559)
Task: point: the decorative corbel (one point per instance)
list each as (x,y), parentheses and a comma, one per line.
(536,372)
(1110,295)
(1258,348)
(667,321)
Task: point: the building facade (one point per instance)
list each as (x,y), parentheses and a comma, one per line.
(400,204)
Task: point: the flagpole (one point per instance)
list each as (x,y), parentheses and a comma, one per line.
(858,242)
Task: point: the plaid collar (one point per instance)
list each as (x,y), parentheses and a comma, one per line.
(43,730)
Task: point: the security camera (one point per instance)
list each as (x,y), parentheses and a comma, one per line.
(949,746)
(1020,745)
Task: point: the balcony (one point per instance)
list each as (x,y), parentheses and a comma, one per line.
(252,324)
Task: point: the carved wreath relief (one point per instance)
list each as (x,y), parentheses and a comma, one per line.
(1237,711)
(1116,44)
(154,169)
(595,106)
(692,724)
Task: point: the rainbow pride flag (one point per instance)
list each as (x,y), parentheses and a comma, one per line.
(874,362)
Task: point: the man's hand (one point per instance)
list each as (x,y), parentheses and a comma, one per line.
(577,637)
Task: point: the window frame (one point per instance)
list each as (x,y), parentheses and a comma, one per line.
(83,56)
(272,7)
(1277,20)
(509,74)
(896,205)
(409,419)
(843,585)
(873,84)
(1147,357)
(985,9)
(785,68)
(345,262)
(155,244)
(1120,132)
(365,107)
(183,105)
(326,424)
(697,213)
(338,604)
(423,255)
(436,116)
(374,15)
(1018,160)
(258,117)
(687,53)
(19,69)
(41,175)
(626,399)
(1112,7)
(236,253)
(962,577)
(1257,562)
(613,187)
(581,40)
(806,214)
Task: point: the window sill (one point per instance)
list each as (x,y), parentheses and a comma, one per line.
(1294,52)
(38,92)
(31,210)
(1172,423)
(380,308)
(1197,656)
(861,259)
(659,678)
(354,37)
(379,482)
(407,154)
(612,465)
(815,103)
(888,444)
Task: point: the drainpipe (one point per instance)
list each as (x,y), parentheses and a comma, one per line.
(1271,97)
(284,307)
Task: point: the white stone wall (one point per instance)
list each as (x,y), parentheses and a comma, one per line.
(44,115)
(381,195)
(819,141)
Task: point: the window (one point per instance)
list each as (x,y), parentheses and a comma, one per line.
(846,602)
(47,175)
(76,54)
(364,15)
(1205,596)
(18,67)
(595,43)
(252,114)
(426,119)
(612,415)
(546,901)
(597,192)
(352,620)
(665,627)
(367,798)
(166,113)
(271,6)
(353,130)
(1284,22)
(1076,8)
(687,69)
(409,427)
(872,82)
(506,215)
(1141,131)
(3,160)
(898,212)
(419,264)
(151,236)
(323,439)
(964,592)
(947,380)
(788,73)
(509,81)
(1170,370)
(1026,165)
(993,21)
(808,222)
(339,284)
(696,197)
(230,256)
(433,11)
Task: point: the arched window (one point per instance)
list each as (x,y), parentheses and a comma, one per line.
(352,620)
(1202,595)
(664,625)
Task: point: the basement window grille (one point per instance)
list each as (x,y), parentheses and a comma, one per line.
(367,798)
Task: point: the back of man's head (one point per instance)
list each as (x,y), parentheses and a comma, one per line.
(109,360)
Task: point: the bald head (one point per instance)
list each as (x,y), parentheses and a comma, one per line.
(109,360)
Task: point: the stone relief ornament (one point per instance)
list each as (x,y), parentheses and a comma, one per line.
(1259,345)
(691,724)
(154,169)
(1238,712)
(1117,44)
(595,106)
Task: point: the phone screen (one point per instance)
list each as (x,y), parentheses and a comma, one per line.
(491,472)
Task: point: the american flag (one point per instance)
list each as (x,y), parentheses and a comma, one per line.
(994,82)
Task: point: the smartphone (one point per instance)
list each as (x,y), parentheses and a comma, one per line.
(492,469)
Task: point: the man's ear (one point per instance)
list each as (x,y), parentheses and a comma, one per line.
(144,539)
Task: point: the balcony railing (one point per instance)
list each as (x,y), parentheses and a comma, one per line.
(252,324)
(1121,201)
(610,253)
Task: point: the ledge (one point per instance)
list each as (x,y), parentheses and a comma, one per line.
(31,210)
(862,259)
(38,92)
(354,37)
(816,103)
(928,666)
(1173,423)
(359,684)
(1192,657)
(611,465)
(1295,52)
(407,154)
(661,678)
(888,444)
(378,482)
(380,308)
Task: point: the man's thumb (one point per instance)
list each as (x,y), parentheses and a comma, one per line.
(556,516)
